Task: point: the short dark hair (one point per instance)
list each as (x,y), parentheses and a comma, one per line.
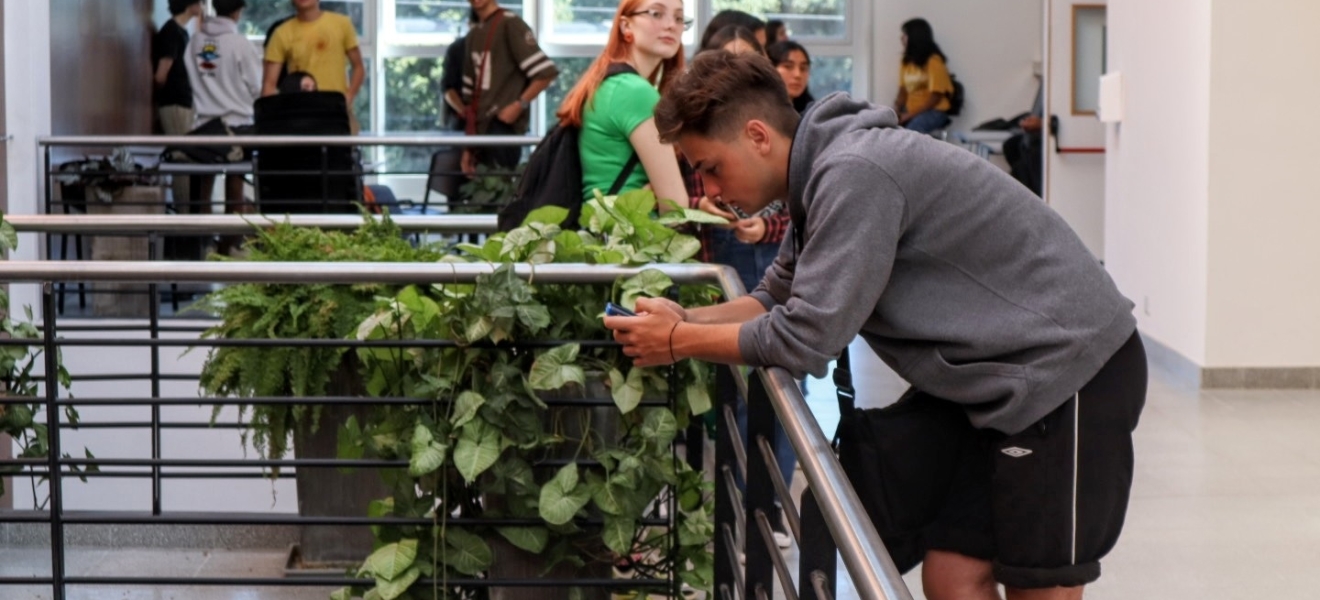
(728,17)
(225,8)
(178,7)
(733,32)
(719,93)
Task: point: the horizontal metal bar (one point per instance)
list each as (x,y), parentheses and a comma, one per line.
(323,400)
(790,509)
(159,141)
(37,271)
(312,343)
(125,518)
(308,463)
(238,224)
(347,581)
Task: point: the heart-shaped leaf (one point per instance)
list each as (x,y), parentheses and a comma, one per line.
(562,497)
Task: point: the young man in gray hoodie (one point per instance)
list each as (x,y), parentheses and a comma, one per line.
(225,69)
(962,281)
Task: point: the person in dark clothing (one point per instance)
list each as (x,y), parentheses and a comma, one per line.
(1025,150)
(794,65)
(173,96)
(451,80)
(967,286)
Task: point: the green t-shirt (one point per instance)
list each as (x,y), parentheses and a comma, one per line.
(621,104)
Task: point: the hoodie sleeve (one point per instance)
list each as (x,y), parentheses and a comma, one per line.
(819,299)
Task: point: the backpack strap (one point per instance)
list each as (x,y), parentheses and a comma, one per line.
(620,68)
(623,176)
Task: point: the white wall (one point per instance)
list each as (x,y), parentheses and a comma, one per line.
(991,47)
(1264,254)
(225,495)
(1157,168)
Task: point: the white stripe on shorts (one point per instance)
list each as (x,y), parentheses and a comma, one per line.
(1077,412)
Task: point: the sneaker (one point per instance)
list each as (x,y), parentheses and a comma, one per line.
(782,539)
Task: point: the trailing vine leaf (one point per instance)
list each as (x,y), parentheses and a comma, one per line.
(531,539)
(391,561)
(478,448)
(466,552)
(465,408)
(697,392)
(389,589)
(659,426)
(618,534)
(554,368)
(649,282)
(627,393)
(427,454)
(549,214)
(562,497)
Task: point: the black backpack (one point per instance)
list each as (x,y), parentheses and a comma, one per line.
(553,176)
(957,97)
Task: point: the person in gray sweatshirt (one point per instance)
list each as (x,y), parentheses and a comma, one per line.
(966,284)
(225,69)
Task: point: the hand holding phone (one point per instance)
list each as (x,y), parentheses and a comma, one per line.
(614,310)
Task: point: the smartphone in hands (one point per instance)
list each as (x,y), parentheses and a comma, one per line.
(614,310)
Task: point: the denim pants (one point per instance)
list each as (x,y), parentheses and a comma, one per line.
(928,121)
(751,261)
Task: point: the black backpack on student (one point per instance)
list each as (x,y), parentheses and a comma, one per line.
(553,176)
(957,97)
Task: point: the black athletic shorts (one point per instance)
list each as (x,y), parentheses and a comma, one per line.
(1044,505)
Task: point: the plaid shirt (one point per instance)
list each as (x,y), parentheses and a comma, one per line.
(776,223)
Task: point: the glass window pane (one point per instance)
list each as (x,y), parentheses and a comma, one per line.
(804,18)
(437,17)
(570,70)
(261,14)
(830,74)
(412,103)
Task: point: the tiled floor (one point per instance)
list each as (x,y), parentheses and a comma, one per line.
(1226,505)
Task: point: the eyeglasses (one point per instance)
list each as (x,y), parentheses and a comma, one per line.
(660,15)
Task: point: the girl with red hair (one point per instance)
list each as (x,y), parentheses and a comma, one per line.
(614,102)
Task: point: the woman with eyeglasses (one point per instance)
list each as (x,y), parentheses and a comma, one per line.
(614,102)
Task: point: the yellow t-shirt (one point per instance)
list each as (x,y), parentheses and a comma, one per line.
(921,82)
(318,47)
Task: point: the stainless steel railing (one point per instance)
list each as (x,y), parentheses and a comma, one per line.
(873,574)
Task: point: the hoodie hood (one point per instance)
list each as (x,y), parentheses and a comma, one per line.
(835,119)
(219,26)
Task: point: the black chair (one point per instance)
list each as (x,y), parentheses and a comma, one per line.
(305,179)
(445,177)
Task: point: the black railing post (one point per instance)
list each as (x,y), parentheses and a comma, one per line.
(325,179)
(818,553)
(153,312)
(760,494)
(726,467)
(55,482)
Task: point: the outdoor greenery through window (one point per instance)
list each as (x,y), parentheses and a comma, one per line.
(403,44)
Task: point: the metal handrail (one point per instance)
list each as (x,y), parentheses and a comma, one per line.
(859,544)
(288,140)
(236,224)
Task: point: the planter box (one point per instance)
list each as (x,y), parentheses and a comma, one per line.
(128,300)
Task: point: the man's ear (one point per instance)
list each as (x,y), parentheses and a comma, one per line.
(758,133)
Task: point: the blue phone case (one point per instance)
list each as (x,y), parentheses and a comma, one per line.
(614,310)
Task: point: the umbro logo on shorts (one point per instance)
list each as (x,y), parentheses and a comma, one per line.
(1016,452)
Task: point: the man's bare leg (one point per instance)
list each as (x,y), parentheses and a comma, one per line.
(1054,593)
(952,576)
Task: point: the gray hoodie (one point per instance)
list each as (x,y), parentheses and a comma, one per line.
(959,278)
(225,69)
